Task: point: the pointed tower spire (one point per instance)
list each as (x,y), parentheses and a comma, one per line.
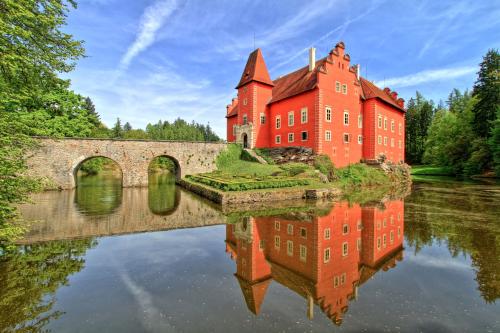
(254,292)
(255,70)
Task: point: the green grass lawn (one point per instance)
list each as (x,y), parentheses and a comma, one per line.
(429,170)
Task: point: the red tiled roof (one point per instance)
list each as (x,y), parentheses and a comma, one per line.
(233,112)
(295,83)
(372,91)
(255,70)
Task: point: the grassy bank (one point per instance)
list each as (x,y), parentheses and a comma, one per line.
(429,170)
(236,171)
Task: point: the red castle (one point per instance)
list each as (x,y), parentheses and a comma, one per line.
(326,106)
(324,259)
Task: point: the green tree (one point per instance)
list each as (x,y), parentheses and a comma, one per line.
(494,143)
(127,127)
(418,119)
(487,91)
(117,130)
(90,107)
(33,51)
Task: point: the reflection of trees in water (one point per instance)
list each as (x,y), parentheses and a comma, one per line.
(467,220)
(163,196)
(99,194)
(30,279)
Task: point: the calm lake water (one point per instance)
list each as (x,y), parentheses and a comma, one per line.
(159,259)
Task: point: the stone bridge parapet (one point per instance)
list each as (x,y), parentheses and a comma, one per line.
(59,159)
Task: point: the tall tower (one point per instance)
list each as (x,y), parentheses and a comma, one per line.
(254,92)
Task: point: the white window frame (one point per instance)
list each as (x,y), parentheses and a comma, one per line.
(327,233)
(289,229)
(328,114)
(344,89)
(346,119)
(245,101)
(262,118)
(304,230)
(385,141)
(379,139)
(277,139)
(348,136)
(360,121)
(291,118)
(345,249)
(277,242)
(392,142)
(291,137)
(328,135)
(338,87)
(326,255)
(345,229)
(302,136)
(304,115)
(400,128)
(385,123)
(303,253)
(379,121)
(277,225)
(278,122)
(360,139)
(289,248)
(393,126)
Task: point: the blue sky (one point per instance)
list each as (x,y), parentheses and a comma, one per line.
(163,59)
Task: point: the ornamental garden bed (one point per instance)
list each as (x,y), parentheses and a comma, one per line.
(240,183)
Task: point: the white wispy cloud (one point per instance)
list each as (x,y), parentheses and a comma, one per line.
(427,76)
(153,18)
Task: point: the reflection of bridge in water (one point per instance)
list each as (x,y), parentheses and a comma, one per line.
(324,259)
(58,215)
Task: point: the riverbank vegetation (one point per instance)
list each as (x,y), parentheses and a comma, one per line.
(462,136)
(237,171)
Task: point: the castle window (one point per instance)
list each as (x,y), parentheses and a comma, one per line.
(326,255)
(391,237)
(336,281)
(345,249)
(360,139)
(327,233)
(400,128)
(303,116)
(290,118)
(289,229)
(245,101)
(384,242)
(385,123)
(343,278)
(346,117)
(344,89)
(346,138)
(393,126)
(345,229)
(385,141)
(290,137)
(358,244)
(328,136)
(304,136)
(261,245)
(379,139)
(289,248)
(360,121)
(262,118)
(379,121)
(392,142)
(303,232)
(245,119)
(337,86)
(378,243)
(303,253)
(277,225)
(278,139)
(278,122)
(277,242)
(328,114)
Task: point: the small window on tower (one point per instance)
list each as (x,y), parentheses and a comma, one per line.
(328,114)
(262,119)
(245,119)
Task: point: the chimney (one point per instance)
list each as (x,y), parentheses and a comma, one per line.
(358,71)
(312,59)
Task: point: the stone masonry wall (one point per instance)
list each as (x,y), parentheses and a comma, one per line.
(59,159)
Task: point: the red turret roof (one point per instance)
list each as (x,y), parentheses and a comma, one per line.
(255,70)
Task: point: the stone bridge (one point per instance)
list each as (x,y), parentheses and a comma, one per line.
(59,159)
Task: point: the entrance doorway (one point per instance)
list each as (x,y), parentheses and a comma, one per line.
(245,140)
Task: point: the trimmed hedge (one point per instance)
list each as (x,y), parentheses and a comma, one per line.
(250,185)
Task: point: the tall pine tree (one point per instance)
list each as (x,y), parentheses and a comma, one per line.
(487,91)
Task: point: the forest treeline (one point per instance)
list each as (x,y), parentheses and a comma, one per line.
(462,133)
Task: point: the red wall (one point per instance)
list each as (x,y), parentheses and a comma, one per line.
(229,129)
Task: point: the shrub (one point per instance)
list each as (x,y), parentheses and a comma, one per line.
(229,156)
(324,164)
(293,169)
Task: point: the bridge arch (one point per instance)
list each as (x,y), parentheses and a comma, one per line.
(78,166)
(57,159)
(177,172)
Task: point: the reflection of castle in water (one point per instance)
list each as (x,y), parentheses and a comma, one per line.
(324,259)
